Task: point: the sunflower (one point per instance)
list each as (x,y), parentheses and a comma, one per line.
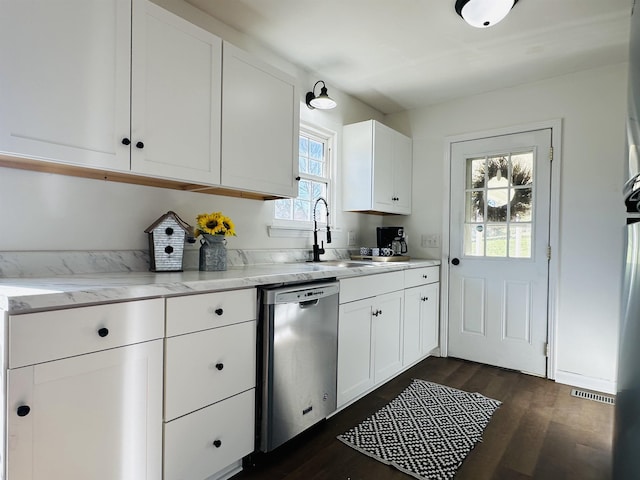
(215,224)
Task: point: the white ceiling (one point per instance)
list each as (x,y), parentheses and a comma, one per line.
(397,55)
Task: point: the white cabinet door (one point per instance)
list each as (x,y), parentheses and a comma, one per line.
(355,375)
(96,416)
(402,173)
(176,94)
(387,335)
(383,188)
(65,71)
(429,317)
(260,125)
(412,348)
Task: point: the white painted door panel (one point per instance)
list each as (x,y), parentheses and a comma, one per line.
(387,335)
(65,70)
(96,416)
(499,233)
(176,95)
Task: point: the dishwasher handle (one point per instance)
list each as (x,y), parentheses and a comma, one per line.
(309,303)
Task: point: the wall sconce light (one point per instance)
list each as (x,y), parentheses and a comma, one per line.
(484,13)
(322,101)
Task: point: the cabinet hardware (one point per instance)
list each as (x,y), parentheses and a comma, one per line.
(219,366)
(103,332)
(425,276)
(140,145)
(23,410)
(126,141)
(217,443)
(424,299)
(219,311)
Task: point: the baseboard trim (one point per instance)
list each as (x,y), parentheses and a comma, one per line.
(589,383)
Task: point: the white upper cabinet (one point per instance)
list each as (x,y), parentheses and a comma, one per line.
(176,92)
(260,125)
(64,81)
(377,169)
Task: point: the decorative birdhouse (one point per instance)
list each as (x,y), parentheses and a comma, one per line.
(166,242)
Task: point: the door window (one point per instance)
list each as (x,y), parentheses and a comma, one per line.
(499,205)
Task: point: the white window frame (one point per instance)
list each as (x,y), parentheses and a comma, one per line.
(297,228)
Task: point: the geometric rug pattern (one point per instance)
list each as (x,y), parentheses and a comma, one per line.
(426,431)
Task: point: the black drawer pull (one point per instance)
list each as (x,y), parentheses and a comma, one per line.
(217,443)
(103,332)
(219,366)
(219,311)
(23,410)
(425,276)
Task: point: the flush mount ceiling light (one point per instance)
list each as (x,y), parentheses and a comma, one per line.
(322,101)
(484,13)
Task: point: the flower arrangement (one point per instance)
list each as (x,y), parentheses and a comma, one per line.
(214,224)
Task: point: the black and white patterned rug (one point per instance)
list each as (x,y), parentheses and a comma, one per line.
(426,431)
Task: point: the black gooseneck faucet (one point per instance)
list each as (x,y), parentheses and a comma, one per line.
(319,250)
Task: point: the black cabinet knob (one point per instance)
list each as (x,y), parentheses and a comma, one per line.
(425,276)
(217,443)
(140,145)
(126,141)
(219,366)
(23,410)
(219,311)
(168,249)
(455,261)
(103,332)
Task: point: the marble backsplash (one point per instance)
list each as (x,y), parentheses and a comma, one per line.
(52,263)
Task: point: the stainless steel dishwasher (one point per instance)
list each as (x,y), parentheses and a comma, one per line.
(299,359)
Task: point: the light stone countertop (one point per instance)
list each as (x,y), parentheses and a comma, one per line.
(29,294)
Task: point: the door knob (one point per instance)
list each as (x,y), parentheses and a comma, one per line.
(455,261)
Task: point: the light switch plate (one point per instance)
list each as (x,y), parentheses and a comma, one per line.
(352,239)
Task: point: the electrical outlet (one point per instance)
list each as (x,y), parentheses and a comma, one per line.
(433,241)
(352,239)
(423,241)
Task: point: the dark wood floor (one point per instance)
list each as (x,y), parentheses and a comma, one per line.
(540,432)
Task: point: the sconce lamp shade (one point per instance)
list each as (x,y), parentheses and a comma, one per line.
(322,101)
(484,13)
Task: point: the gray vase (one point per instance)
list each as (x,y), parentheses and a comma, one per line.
(213,253)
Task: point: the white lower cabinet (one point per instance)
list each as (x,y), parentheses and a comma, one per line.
(207,441)
(369,333)
(421,313)
(96,416)
(210,380)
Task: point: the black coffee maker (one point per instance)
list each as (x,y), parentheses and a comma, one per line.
(393,238)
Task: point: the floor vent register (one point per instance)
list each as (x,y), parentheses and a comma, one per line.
(596,397)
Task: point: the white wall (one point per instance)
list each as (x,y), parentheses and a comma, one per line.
(41,211)
(592,107)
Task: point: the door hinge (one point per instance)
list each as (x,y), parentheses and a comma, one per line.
(548,252)
(551,154)
(546,349)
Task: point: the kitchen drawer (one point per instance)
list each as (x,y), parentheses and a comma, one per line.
(205,367)
(421,276)
(370,285)
(208,310)
(44,336)
(200,444)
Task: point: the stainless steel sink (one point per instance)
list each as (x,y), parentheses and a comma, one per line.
(344,264)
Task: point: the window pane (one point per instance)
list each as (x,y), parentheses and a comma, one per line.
(498,169)
(520,241)
(302,165)
(496,238)
(315,168)
(521,205)
(474,207)
(304,190)
(474,240)
(315,150)
(475,173)
(283,209)
(303,146)
(522,168)
(301,210)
